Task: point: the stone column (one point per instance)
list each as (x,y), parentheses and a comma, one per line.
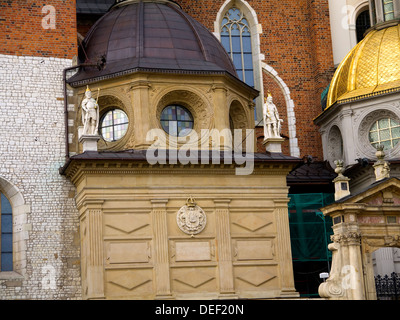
(284,251)
(354,243)
(161,256)
(223,237)
(346,281)
(369,279)
(347,127)
(95,249)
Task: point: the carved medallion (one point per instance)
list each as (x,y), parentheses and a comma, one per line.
(191,219)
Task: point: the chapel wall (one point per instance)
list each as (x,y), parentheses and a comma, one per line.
(133,246)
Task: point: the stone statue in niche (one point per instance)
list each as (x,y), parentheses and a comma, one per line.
(90,114)
(191,219)
(272,122)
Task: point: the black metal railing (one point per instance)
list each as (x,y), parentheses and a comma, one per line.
(388,287)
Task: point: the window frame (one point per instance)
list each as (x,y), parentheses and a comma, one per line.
(378,14)
(192,121)
(385,2)
(8,232)
(243,26)
(255,30)
(378,130)
(106,112)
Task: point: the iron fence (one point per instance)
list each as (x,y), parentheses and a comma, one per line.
(388,287)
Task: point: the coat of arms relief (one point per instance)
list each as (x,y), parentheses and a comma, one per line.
(191,219)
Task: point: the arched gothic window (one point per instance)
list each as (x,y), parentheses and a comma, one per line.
(236,39)
(6,241)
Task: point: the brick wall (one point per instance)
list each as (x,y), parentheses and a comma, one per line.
(296,43)
(22,32)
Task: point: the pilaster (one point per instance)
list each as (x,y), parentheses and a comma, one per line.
(346,118)
(161,257)
(140,103)
(221,116)
(223,237)
(95,256)
(284,249)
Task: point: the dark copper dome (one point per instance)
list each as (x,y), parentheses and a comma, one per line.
(138,35)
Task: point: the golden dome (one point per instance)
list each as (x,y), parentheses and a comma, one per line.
(371,68)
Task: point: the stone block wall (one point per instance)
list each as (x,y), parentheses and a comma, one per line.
(37,41)
(46,226)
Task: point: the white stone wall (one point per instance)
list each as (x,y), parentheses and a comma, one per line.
(32,150)
(386,261)
(343,15)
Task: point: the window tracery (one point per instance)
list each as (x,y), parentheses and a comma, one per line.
(236,39)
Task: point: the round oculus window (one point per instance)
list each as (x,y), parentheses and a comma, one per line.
(114,125)
(385,132)
(176,120)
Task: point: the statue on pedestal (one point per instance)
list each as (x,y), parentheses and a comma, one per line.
(90,114)
(272,122)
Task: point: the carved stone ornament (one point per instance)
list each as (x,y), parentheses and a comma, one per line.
(191,219)
(348,238)
(364,145)
(335,144)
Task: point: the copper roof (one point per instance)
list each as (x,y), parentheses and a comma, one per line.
(312,173)
(213,157)
(93,6)
(151,36)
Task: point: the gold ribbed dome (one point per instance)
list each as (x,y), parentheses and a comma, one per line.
(371,68)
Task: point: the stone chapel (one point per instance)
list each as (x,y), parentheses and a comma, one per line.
(213,149)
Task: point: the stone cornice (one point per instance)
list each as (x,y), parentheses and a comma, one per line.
(77,169)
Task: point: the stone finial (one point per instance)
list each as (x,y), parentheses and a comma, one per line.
(381,166)
(341,182)
(339,168)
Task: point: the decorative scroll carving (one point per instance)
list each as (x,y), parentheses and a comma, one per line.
(333,288)
(238,116)
(335,144)
(349,238)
